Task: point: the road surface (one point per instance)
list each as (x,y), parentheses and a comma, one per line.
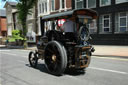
(15,70)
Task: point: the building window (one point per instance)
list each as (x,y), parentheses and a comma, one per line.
(45,6)
(105,2)
(105,23)
(79,4)
(63,4)
(40,7)
(121,1)
(93,27)
(91,3)
(52,5)
(121,22)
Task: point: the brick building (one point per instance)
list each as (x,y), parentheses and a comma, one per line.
(111,27)
(3,28)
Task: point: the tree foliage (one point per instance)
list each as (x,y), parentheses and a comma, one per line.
(23,8)
(16,35)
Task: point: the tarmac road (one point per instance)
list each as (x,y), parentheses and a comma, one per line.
(15,70)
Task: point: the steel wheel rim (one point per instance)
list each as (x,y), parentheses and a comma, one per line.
(32,59)
(53,58)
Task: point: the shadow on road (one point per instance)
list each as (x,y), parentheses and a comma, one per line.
(40,67)
(72,72)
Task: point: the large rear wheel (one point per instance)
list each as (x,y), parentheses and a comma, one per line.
(55,58)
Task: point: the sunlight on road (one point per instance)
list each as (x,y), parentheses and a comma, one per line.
(112,58)
(108,70)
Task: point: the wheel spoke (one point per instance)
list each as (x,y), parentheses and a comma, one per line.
(49,50)
(51,66)
(55,49)
(58,61)
(55,66)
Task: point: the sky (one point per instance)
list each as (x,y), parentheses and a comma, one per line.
(2,3)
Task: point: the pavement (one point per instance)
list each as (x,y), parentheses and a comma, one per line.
(111,50)
(100,50)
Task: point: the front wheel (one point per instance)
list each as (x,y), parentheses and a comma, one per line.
(33,60)
(55,58)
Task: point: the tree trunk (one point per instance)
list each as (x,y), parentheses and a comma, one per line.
(36,19)
(25,44)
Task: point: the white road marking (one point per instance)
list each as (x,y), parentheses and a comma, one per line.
(4,50)
(14,54)
(10,54)
(21,61)
(108,70)
(111,58)
(71,77)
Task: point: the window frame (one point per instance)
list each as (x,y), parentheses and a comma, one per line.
(109,23)
(77,2)
(63,3)
(119,2)
(119,17)
(43,7)
(40,11)
(104,5)
(51,6)
(87,5)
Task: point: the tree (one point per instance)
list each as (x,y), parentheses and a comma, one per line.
(23,8)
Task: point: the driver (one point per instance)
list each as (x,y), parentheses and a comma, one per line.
(69,26)
(69,29)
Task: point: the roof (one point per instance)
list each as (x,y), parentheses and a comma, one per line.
(10,3)
(71,13)
(2,13)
